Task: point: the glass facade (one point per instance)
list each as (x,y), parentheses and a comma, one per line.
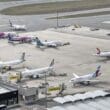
(9,98)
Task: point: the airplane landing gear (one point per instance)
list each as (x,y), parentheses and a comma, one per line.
(7,68)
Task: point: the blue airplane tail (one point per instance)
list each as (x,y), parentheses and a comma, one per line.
(10,37)
(23,56)
(38,42)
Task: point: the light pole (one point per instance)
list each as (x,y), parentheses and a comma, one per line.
(57,20)
(45,91)
(57,14)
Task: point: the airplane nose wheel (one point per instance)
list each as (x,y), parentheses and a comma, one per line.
(4,69)
(9,68)
(88,83)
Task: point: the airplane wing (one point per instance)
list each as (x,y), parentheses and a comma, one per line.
(92,80)
(75,75)
(26,69)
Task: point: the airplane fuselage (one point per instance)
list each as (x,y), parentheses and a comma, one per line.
(22,39)
(19,27)
(52,43)
(104,54)
(10,63)
(83,78)
(37,72)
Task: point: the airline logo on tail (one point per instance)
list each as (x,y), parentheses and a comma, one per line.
(98,51)
(102,54)
(23,57)
(10,37)
(97,73)
(39,43)
(52,63)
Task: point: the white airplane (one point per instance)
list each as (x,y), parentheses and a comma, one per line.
(13,62)
(53,44)
(17,27)
(102,54)
(85,79)
(37,73)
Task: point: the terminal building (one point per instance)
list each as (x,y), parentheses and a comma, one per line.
(91,100)
(8,94)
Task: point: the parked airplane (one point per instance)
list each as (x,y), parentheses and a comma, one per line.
(102,54)
(53,44)
(85,79)
(17,27)
(4,35)
(9,64)
(36,73)
(20,39)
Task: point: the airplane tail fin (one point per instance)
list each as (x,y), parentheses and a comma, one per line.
(97,72)
(10,23)
(23,56)
(38,42)
(98,51)
(52,63)
(10,37)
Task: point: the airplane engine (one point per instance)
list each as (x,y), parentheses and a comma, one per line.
(38,76)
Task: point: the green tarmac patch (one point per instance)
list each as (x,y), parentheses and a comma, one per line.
(67,6)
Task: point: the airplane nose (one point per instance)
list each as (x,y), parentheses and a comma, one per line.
(95,54)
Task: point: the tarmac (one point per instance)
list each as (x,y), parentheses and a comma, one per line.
(74,58)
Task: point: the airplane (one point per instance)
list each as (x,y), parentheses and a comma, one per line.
(17,27)
(37,73)
(4,35)
(9,64)
(85,79)
(53,44)
(20,39)
(102,54)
